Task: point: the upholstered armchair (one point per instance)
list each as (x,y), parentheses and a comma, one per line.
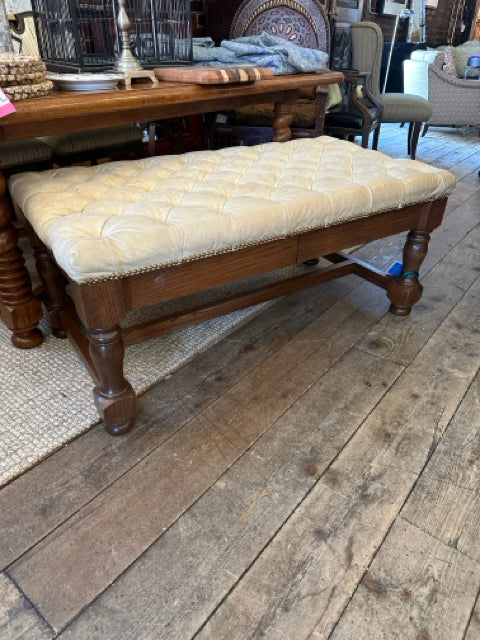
(455,101)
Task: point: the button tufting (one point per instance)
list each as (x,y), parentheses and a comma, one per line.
(121,217)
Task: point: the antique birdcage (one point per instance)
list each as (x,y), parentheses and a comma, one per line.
(82,35)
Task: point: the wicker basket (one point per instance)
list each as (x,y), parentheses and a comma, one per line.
(23,91)
(23,76)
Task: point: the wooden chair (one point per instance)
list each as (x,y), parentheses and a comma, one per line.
(304,24)
(359,113)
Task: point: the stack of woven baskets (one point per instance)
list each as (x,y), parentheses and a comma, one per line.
(23,76)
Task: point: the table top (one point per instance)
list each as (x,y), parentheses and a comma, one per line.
(63,111)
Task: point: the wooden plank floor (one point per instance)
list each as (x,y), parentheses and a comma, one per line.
(314,475)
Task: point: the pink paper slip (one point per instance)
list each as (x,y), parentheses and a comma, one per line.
(6,106)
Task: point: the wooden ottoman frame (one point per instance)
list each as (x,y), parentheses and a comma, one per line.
(101,306)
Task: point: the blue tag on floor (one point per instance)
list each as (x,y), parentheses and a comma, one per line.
(396,269)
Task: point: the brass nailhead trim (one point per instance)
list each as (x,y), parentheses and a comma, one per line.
(233,248)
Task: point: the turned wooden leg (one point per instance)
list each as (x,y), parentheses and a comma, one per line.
(282,121)
(54,283)
(19,309)
(414,129)
(406,290)
(365,138)
(376,136)
(114,397)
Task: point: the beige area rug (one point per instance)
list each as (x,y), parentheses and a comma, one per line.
(46,392)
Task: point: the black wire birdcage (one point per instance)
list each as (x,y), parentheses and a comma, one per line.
(81,35)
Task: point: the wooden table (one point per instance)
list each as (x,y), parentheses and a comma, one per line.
(62,112)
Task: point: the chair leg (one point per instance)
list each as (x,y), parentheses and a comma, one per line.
(413,136)
(365,137)
(376,136)
(425,129)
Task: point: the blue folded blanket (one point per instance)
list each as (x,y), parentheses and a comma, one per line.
(265,50)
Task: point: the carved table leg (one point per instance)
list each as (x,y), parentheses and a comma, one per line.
(282,121)
(19,309)
(114,397)
(406,290)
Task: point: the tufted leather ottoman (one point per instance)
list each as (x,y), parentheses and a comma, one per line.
(130,234)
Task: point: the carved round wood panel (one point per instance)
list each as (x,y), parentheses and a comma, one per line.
(305,23)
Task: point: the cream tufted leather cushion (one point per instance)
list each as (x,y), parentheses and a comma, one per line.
(124,217)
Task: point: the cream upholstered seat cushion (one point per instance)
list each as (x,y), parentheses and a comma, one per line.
(129,216)
(405,107)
